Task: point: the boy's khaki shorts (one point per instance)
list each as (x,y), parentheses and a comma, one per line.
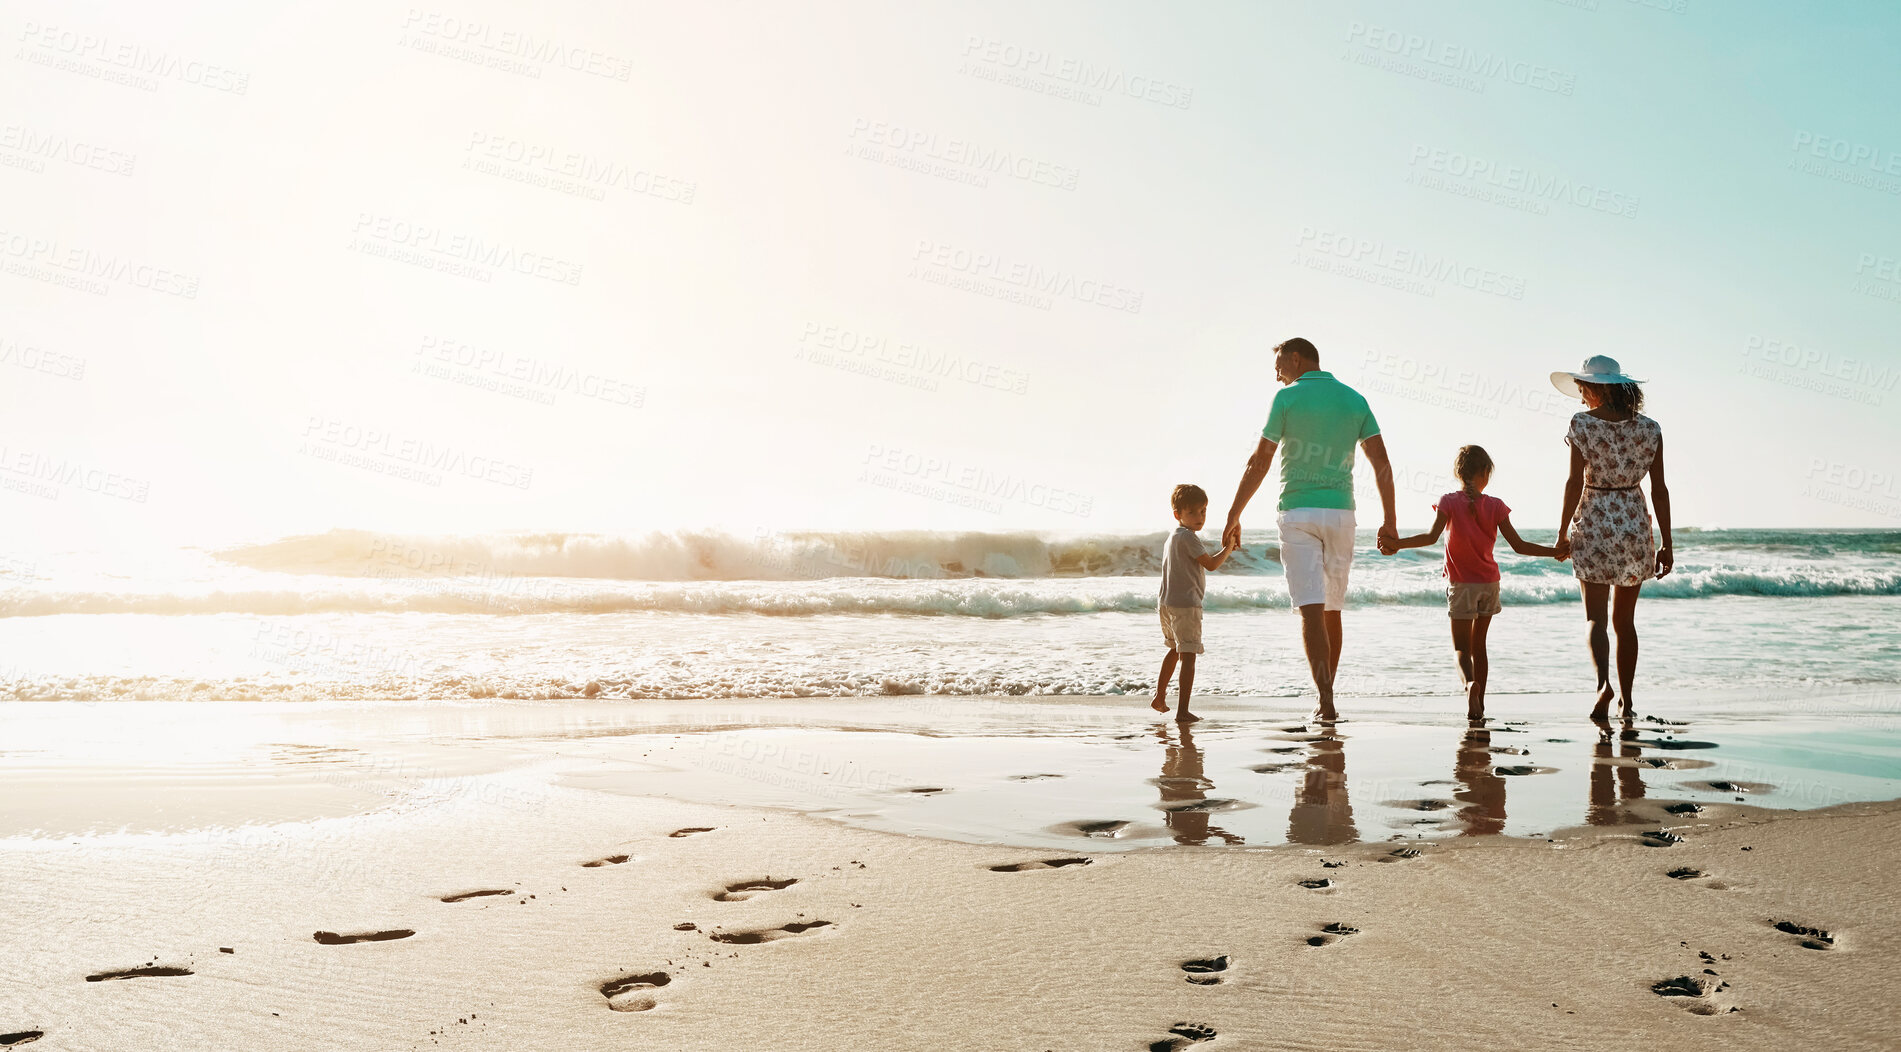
(1181,628)
(1471,600)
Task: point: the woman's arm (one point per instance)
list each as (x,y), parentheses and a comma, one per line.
(1573,492)
(1521,545)
(1660,497)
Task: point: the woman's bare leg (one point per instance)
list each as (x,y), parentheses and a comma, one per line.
(1624,619)
(1597,613)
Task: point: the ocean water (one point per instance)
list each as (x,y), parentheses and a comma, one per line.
(1774,614)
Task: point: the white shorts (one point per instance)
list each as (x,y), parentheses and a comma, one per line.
(1317,555)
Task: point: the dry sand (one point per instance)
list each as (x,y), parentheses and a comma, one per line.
(601,928)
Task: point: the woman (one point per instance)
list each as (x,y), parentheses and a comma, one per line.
(1605,525)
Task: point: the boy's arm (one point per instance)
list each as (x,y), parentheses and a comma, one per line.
(1521,545)
(1420,540)
(1213,562)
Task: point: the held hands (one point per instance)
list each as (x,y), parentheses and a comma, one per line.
(1563,549)
(1231,535)
(1387,539)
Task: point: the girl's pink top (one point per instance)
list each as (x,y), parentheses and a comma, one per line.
(1471,531)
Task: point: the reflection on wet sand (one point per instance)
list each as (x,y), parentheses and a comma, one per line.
(1481,789)
(1322,814)
(1184,789)
(1615,784)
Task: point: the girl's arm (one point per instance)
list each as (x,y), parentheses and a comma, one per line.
(1420,540)
(1660,496)
(1521,545)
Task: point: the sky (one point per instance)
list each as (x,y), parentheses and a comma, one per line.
(272,268)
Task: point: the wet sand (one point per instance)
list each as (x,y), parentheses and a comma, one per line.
(1027,875)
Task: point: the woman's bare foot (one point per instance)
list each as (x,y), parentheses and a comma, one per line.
(1159,703)
(1603,709)
(1187,717)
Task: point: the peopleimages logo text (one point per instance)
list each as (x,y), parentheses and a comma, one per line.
(430,241)
(511,43)
(1428,266)
(1026,275)
(1414,47)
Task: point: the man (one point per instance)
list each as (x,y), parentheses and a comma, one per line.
(1316,421)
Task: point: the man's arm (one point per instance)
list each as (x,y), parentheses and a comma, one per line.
(1251,480)
(1383,477)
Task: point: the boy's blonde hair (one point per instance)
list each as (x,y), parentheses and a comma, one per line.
(1188,495)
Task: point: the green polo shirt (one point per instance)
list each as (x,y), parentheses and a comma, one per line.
(1317,421)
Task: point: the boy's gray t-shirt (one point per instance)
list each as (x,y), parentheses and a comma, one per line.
(1183,579)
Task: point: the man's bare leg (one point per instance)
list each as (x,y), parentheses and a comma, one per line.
(1334,638)
(1160,703)
(1185,688)
(1314,638)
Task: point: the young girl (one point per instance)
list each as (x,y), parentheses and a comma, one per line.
(1472,593)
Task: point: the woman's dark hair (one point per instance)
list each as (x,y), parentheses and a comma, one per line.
(1471,462)
(1627,399)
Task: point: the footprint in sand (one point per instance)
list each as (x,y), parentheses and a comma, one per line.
(1684,808)
(1047,863)
(1185,1034)
(1331,932)
(745,889)
(690,830)
(927,790)
(1659,838)
(1103,829)
(148,971)
(1032,777)
(1695,990)
(1684,873)
(464,896)
(1315,883)
(1205,972)
(20,1037)
(623,994)
(759,935)
(1521,770)
(1401,854)
(611,860)
(330,938)
(1812,938)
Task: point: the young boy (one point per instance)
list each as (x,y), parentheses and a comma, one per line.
(1185,563)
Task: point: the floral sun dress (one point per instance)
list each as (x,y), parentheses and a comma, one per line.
(1610,532)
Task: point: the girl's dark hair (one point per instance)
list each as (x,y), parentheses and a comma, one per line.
(1627,399)
(1471,462)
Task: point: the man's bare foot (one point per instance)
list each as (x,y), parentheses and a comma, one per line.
(1475,716)
(1159,704)
(1187,717)
(1325,714)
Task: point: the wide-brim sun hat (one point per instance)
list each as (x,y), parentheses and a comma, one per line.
(1597,369)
